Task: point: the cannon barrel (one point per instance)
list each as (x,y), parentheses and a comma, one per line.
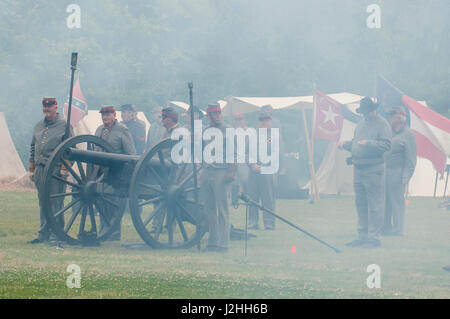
(99,158)
(104,159)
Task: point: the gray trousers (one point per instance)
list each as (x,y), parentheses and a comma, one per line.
(395,201)
(215,195)
(56,204)
(261,187)
(369,200)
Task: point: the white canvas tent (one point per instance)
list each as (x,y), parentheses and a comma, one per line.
(11,167)
(182,106)
(253,104)
(93,120)
(335,177)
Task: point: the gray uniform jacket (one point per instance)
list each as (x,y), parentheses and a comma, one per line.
(47,135)
(155,134)
(377,132)
(119,137)
(223,165)
(137,130)
(403,153)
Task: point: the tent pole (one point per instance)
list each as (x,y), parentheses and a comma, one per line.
(311,160)
(435,184)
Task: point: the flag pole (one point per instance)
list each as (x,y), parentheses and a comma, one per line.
(311,160)
(73,67)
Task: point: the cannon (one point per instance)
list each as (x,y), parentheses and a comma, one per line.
(93,184)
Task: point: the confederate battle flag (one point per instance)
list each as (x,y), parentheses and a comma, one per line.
(328,117)
(79,106)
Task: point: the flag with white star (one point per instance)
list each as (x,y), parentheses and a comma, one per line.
(328,117)
(79,107)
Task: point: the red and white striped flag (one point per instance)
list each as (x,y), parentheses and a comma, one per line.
(432,130)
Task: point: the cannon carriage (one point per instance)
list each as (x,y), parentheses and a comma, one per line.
(94,184)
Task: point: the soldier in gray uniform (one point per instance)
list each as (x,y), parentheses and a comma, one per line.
(268,109)
(372,139)
(262,186)
(215,181)
(400,164)
(240,185)
(135,126)
(169,119)
(156,130)
(47,135)
(121,141)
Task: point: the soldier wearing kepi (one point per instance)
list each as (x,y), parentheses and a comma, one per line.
(47,135)
(400,164)
(372,138)
(134,125)
(121,141)
(262,186)
(156,130)
(169,119)
(215,181)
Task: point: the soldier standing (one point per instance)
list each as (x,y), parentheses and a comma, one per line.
(262,186)
(215,180)
(169,119)
(121,141)
(372,138)
(240,185)
(156,130)
(47,135)
(268,109)
(400,164)
(135,126)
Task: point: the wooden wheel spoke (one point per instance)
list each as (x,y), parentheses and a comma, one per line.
(190,189)
(170,229)
(81,170)
(159,178)
(92,217)
(193,202)
(186,211)
(163,164)
(187,179)
(180,174)
(71,171)
(153,214)
(102,195)
(180,225)
(62,210)
(65,181)
(104,214)
(154,199)
(83,220)
(152,187)
(159,229)
(72,219)
(64,194)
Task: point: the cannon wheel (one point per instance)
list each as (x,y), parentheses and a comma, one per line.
(163,206)
(80,204)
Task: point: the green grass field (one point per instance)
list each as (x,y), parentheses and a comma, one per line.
(411,266)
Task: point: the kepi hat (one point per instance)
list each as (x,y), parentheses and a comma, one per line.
(107,109)
(49,100)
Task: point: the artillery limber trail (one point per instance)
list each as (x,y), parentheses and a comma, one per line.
(90,200)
